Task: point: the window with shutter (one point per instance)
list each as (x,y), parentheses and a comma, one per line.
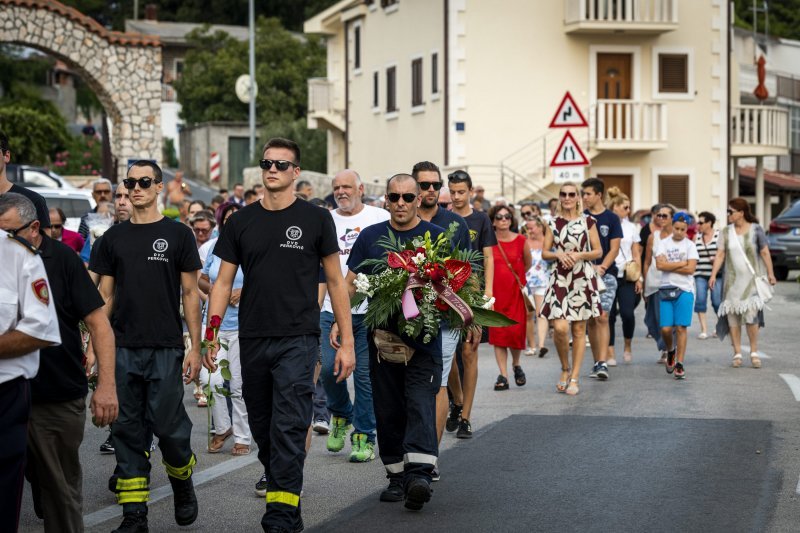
(416,82)
(785,87)
(674,189)
(435,73)
(357,48)
(375,84)
(673,73)
(391,89)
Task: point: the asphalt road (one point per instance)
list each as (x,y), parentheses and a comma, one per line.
(199,191)
(718,452)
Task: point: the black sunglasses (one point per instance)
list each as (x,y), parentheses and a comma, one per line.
(13,232)
(144,183)
(662,215)
(526,214)
(425,185)
(458,175)
(56,226)
(280,164)
(568,194)
(394,197)
(503,217)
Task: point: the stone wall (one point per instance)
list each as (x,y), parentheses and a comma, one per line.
(124,70)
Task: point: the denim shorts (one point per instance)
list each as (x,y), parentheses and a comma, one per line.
(607,298)
(450,340)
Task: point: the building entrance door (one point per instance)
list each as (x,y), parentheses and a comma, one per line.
(614,84)
(623,181)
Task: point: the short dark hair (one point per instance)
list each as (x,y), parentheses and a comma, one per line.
(201,203)
(460,176)
(249,193)
(3,142)
(60,213)
(401,177)
(707,216)
(301,184)
(280,142)
(497,208)
(238,185)
(425,166)
(218,199)
(223,210)
(595,184)
(222,191)
(157,174)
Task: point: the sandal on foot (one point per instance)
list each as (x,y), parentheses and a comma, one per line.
(218,441)
(737,360)
(755,360)
(240,449)
(627,357)
(519,376)
(573,389)
(502,383)
(561,386)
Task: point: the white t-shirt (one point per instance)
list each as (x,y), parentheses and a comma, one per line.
(347,230)
(683,250)
(630,235)
(206,249)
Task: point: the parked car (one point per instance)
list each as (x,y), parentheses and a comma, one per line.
(784,241)
(74,202)
(36,177)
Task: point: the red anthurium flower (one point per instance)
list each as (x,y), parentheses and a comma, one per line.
(215,321)
(420,250)
(460,270)
(395,260)
(440,305)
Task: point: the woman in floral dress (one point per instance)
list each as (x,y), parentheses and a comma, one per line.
(572,296)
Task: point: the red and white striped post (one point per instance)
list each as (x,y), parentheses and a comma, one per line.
(214,167)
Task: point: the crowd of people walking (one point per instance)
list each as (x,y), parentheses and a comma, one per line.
(271,278)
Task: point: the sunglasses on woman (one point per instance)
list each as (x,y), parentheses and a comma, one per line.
(503,217)
(662,215)
(563,194)
(144,183)
(394,197)
(527,214)
(280,164)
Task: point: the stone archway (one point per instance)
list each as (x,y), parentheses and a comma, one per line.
(124,70)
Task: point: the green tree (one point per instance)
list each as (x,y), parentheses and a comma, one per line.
(284,63)
(35,136)
(784,17)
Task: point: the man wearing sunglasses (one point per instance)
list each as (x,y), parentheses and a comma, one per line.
(482,238)
(59,390)
(6,186)
(280,242)
(430,182)
(146,266)
(404,396)
(60,233)
(101,192)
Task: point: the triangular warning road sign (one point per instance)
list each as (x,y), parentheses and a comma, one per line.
(569,153)
(568,114)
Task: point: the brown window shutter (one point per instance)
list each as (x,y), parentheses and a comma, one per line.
(673,72)
(785,87)
(416,82)
(674,189)
(391,89)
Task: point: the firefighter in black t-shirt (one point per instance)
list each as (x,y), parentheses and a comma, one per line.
(280,242)
(145,264)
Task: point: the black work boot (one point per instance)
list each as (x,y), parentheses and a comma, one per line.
(418,493)
(185,500)
(394,492)
(133,522)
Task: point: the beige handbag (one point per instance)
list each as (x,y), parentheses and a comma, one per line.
(391,347)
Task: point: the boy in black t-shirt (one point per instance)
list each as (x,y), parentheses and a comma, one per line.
(145,264)
(280,242)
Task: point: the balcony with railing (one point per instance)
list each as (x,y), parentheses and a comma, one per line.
(322,113)
(620,16)
(628,125)
(759,131)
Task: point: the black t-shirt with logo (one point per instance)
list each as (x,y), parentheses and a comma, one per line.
(481,232)
(61,376)
(280,253)
(146,261)
(609,227)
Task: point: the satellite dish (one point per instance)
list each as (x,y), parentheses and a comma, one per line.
(243,88)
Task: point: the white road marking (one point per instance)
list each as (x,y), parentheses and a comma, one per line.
(794,384)
(225,467)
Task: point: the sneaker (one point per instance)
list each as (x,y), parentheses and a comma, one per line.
(663,359)
(611,362)
(595,367)
(680,373)
(464,430)
(133,522)
(338,430)
(363,450)
(435,475)
(185,500)
(418,493)
(453,419)
(602,371)
(261,486)
(394,492)
(670,361)
(321,426)
(108,445)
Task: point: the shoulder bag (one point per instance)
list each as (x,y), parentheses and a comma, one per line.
(391,347)
(527,297)
(631,271)
(763,288)
(601,285)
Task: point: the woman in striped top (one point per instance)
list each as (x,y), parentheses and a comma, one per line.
(706,242)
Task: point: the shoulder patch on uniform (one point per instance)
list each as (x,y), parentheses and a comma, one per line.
(41,291)
(25,244)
